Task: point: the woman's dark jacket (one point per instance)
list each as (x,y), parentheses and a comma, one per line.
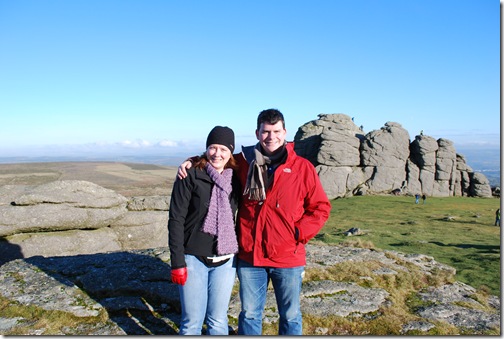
(188,208)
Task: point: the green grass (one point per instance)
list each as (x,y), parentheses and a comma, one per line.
(457,231)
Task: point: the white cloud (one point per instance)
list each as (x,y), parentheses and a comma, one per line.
(167,143)
(135,144)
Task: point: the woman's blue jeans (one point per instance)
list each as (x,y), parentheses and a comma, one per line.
(205,297)
(253,287)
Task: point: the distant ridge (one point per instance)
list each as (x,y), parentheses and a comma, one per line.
(143,159)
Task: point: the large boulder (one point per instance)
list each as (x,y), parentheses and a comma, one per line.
(479,185)
(332,140)
(384,161)
(78,217)
(387,147)
(59,206)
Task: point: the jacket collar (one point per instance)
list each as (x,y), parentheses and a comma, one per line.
(249,154)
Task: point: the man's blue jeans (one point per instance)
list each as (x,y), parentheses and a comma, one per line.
(253,287)
(206,294)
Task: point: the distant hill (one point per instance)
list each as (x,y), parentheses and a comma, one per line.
(165,160)
(485,160)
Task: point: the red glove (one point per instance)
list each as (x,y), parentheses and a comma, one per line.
(179,275)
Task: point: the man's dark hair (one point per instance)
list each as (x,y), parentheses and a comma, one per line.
(270,116)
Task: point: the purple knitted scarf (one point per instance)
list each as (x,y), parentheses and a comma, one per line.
(219,220)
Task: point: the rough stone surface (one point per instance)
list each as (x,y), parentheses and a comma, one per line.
(63,243)
(149,203)
(77,217)
(76,193)
(384,161)
(54,217)
(135,290)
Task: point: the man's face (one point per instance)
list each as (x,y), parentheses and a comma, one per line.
(271,137)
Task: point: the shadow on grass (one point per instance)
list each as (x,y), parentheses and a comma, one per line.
(490,249)
(458,221)
(135,289)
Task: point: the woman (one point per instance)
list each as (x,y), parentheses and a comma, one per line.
(202,236)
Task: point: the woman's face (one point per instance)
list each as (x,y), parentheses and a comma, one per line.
(218,156)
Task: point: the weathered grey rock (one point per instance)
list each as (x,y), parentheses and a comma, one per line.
(427,178)
(357,178)
(9,193)
(479,185)
(461,317)
(423,151)
(149,203)
(139,230)
(387,147)
(321,298)
(465,183)
(55,217)
(385,162)
(332,139)
(76,193)
(426,263)
(446,160)
(340,141)
(63,243)
(334,180)
(138,283)
(386,179)
(58,206)
(446,169)
(43,290)
(332,255)
(413,184)
(334,153)
(308,140)
(422,326)
(78,217)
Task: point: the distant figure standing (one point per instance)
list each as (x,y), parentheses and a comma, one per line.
(423,198)
(497,217)
(421,132)
(417,198)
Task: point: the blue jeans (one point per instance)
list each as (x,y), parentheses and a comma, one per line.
(205,297)
(253,287)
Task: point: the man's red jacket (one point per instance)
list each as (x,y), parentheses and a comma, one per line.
(296,200)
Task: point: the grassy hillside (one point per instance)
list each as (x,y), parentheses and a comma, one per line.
(457,231)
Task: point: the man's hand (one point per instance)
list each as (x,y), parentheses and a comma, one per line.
(179,276)
(182,169)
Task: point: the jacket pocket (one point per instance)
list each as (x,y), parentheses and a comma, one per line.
(278,234)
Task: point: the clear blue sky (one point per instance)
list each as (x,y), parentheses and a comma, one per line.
(99,75)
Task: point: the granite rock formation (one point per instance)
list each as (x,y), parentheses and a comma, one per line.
(385,161)
(71,217)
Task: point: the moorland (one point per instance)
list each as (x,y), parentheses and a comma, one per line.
(457,231)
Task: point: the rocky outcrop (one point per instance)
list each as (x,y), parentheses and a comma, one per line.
(77,217)
(133,288)
(383,161)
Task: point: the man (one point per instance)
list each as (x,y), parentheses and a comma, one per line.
(283,207)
